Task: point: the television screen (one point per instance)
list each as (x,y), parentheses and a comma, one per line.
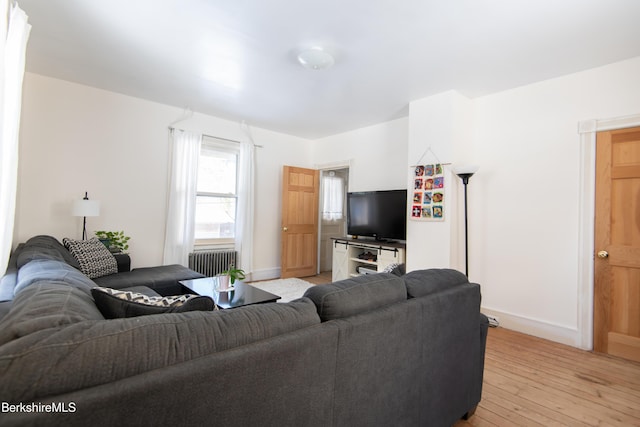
(379,214)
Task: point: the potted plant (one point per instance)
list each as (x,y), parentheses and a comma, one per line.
(228,277)
(116,241)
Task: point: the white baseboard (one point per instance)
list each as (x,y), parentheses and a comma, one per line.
(264,274)
(537,328)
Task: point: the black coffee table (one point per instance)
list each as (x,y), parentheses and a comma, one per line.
(242,294)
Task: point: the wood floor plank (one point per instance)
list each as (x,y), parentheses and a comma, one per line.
(575,369)
(530,381)
(574,385)
(505,411)
(594,360)
(583,411)
(537,411)
(591,365)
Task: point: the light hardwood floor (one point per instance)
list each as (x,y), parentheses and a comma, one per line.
(529,381)
(320,279)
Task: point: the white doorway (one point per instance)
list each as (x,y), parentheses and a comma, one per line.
(334,184)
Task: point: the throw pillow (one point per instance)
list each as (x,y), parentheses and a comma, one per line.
(94,258)
(397,269)
(114,304)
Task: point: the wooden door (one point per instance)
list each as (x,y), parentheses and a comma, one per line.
(617,244)
(300,196)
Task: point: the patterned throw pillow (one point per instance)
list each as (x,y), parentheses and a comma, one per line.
(395,268)
(94,258)
(114,303)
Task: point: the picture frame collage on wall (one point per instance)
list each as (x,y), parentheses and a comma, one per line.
(428,193)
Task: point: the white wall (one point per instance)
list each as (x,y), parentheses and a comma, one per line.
(438,125)
(75,138)
(278,150)
(524,237)
(376,155)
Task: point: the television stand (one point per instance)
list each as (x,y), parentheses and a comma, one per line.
(355,257)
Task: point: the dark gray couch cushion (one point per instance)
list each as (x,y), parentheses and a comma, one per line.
(163,279)
(378,356)
(92,352)
(357,295)
(45,247)
(47,305)
(5,307)
(287,380)
(425,282)
(50,270)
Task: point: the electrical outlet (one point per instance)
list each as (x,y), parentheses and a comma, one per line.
(494,321)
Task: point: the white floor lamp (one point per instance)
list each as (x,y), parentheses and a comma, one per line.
(85,208)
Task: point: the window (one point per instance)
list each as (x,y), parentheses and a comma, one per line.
(217,192)
(333,197)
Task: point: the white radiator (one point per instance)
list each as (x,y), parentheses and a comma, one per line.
(211,263)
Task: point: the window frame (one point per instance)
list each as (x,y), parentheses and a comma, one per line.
(228,146)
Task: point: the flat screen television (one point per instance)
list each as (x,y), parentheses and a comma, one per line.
(379,214)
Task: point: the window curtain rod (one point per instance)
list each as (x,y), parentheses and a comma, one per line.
(172,128)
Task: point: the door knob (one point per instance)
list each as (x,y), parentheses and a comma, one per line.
(285,229)
(603,254)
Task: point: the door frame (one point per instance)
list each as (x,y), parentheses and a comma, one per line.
(323,167)
(587,130)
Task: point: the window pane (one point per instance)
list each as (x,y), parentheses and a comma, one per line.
(217,171)
(333,198)
(215,217)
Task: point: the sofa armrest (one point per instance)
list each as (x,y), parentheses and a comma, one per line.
(9,281)
(124,262)
(7,285)
(484,330)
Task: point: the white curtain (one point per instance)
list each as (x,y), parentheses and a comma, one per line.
(332,198)
(179,234)
(13,45)
(245,205)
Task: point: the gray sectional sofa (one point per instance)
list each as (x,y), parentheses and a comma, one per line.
(375,350)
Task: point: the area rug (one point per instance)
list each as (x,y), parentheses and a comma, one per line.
(287,289)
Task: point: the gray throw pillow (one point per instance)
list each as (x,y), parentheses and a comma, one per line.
(94,258)
(114,304)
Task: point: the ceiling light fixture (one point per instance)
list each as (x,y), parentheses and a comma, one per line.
(315,58)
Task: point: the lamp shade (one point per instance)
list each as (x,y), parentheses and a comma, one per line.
(465,169)
(86,207)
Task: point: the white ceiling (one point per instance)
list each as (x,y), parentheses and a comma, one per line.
(235,59)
